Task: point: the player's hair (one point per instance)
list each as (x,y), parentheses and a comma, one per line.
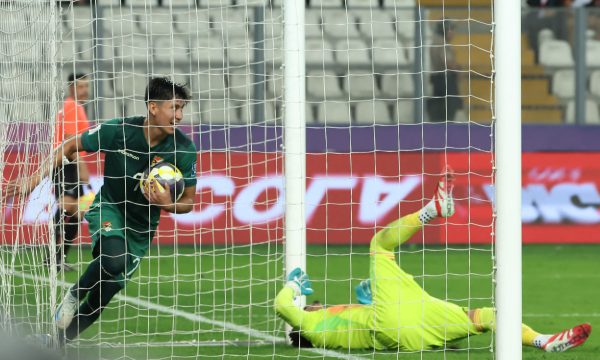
(75,76)
(162,88)
(298,340)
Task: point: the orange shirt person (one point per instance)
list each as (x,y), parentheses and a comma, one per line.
(69,180)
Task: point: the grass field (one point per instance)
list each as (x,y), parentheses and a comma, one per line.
(217,302)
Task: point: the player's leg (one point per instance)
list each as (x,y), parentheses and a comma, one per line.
(104,279)
(484,319)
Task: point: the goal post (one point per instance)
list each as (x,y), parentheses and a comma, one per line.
(508,179)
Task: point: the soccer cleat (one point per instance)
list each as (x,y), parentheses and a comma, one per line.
(299,280)
(568,339)
(363,292)
(66,311)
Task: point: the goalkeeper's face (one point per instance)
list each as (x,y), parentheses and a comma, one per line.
(166,114)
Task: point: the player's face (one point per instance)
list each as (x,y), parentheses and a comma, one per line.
(81,90)
(167,114)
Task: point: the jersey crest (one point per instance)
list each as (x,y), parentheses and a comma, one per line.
(156,160)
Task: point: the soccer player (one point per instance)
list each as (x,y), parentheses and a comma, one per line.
(70,178)
(122,221)
(394,311)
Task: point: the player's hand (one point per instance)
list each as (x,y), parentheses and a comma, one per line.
(299,280)
(158,194)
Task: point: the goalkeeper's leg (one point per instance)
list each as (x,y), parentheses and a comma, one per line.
(484,320)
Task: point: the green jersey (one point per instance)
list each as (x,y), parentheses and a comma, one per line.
(127,156)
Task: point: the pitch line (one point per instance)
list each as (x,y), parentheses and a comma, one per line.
(566,315)
(201,319)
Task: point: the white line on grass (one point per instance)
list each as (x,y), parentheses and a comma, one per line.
(199,318)
(589,315)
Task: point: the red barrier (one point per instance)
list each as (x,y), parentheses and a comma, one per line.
(351,196)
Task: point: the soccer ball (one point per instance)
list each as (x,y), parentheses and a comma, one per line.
(166,175)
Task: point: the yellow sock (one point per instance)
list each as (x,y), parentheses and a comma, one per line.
(484,319)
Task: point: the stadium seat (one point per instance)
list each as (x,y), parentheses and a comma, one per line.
(592,53)
(108,109)
(372,112)
(362,3)
(323,85)
(360,85)
(545,35)
(240,84)
(195,23)
(247,3)
(232,23)
(326,3)
(591,112)
(156,22)
(190,4)
(352,52)
(247,115)
(130,85)
(219,111)
(309,113)
(174,73)
(312,24)
(118,21)
(134,49)
(134,107)
(340,24)
(169,49)
(274,85)
(375,24)
(207,50)
(216,4)
(563,84)
(334,113)
(403,111)
(318,53)
(556,53)
(142,3)
(239,51)
(389,53)
(209,84)
(397,85)
(67,50)
(79,20)
(595,83)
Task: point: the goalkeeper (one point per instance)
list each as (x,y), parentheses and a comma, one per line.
(122,221)
(395,312)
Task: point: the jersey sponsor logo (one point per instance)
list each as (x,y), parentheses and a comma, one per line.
(124,152)
(107,226)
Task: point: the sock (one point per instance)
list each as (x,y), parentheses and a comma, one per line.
(538,341)
(71,230)
(428,212)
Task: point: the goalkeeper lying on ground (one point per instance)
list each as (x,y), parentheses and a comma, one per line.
(395,312)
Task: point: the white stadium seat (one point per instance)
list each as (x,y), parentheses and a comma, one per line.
(131,85)
(563,84)
(334,113)
(545,35)
(592,53)
(360,85)
(340,24)
(595,83)
(170,49)
(372,112)
(240,84)
(318,53)
(397,85)
(312,24)
(404,111)
(352,52)
(325,3)
(218,111)
(209,84)
(247,114)
(591,112)
(556,53)
(206,50)
(323,85)
(375,24)
(389,53)
(156,22)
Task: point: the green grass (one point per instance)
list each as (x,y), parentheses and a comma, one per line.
(237,285)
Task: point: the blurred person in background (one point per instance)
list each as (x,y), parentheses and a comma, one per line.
(70,179)
(444,78)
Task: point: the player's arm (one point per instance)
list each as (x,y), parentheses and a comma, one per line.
(64,153)
(161,196)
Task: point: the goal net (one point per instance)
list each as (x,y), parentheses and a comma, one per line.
(396,90)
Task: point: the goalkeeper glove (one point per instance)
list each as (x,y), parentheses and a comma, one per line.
(363,292)
(299,281)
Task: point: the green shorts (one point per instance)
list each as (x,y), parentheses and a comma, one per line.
(107,220)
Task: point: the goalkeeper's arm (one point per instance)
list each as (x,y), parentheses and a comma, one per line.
(64,153)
